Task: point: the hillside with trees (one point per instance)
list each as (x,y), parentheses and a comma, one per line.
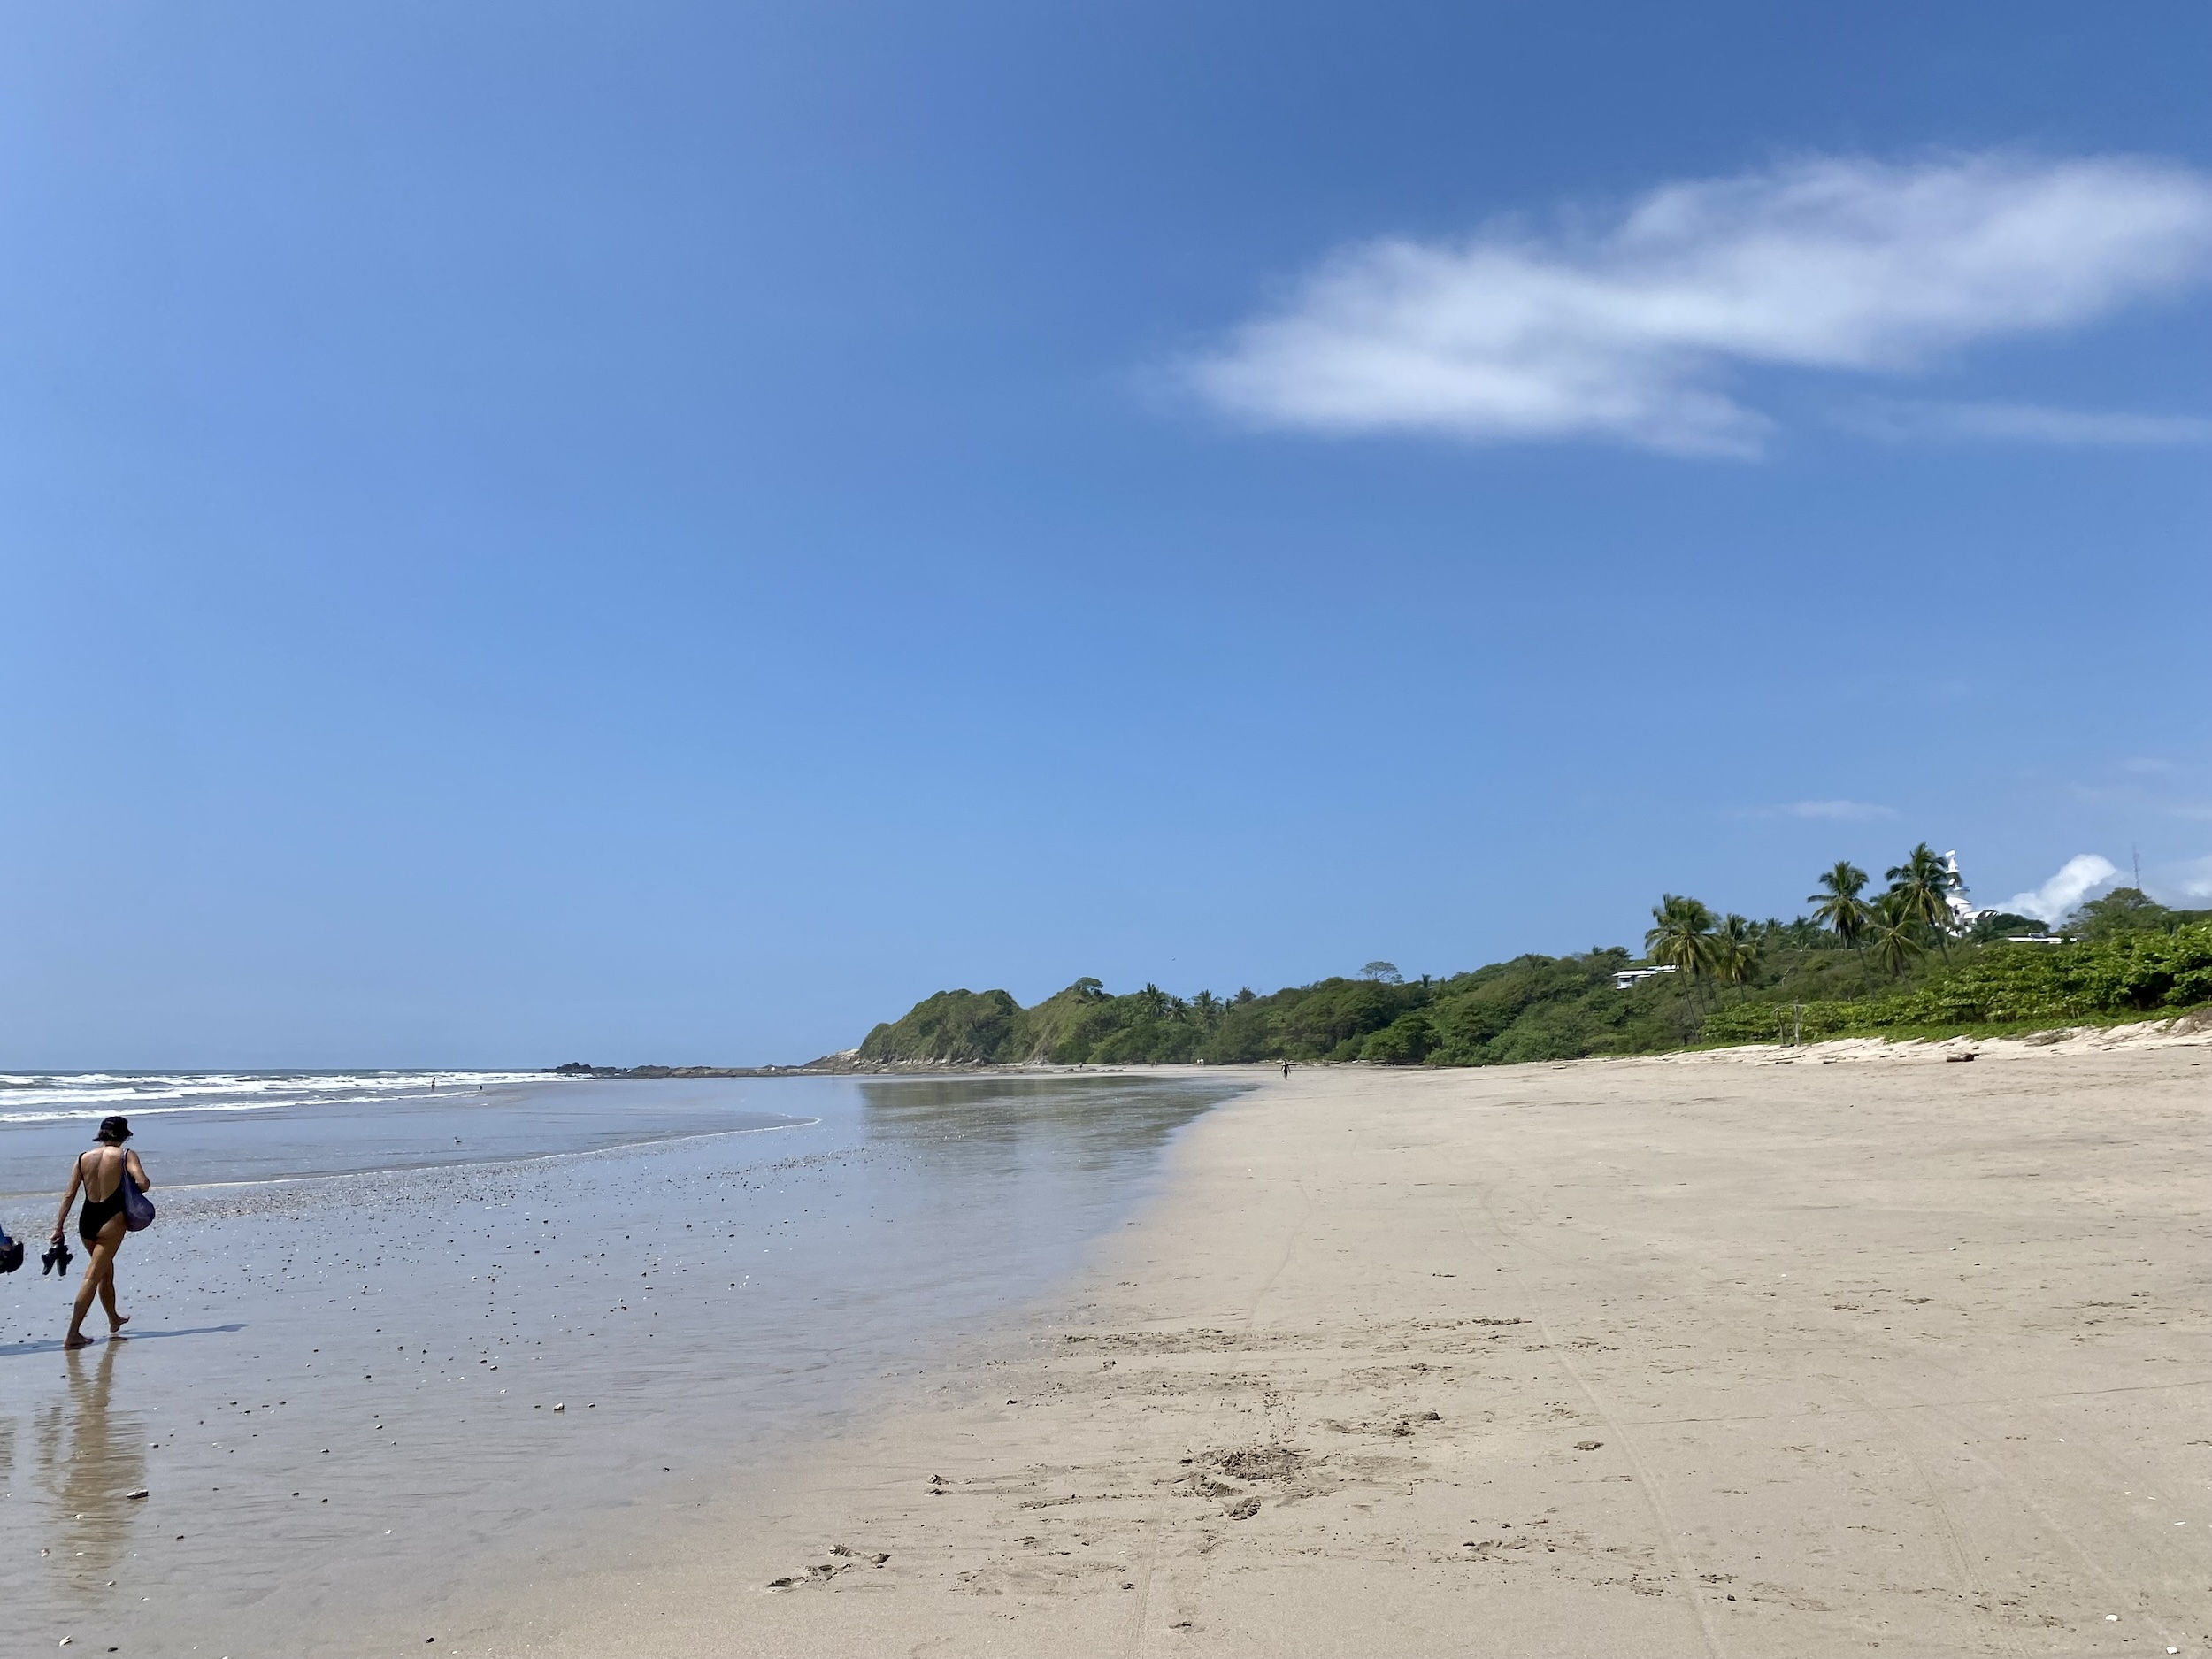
(1893,963)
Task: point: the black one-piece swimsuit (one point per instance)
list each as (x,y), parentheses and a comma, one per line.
(97,1213)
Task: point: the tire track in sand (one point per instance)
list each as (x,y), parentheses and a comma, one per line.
(1671,1537)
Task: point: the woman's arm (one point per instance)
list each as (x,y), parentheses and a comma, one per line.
(76,1179)
(138,1172)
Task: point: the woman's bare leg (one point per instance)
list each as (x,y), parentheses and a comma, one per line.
(111,1237)
(99,1280)
(94,1260)
(116,1321)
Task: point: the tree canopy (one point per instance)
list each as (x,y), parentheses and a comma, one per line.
(1736,979)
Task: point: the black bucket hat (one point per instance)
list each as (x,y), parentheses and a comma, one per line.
(114,1131)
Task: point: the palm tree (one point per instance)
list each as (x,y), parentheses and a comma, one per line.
(1684,936)
(1735,950)
(1838,906)
(1895,930)
(1924,882)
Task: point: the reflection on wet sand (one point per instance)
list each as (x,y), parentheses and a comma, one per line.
(90,1454)
(944,1120)
(461,1374)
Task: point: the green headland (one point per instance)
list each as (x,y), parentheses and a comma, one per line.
(1907,961)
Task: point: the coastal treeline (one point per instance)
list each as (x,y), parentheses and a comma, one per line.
(1532,1008)
(2123,954)
(1892,963)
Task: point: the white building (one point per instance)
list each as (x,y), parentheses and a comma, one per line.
(1962,911)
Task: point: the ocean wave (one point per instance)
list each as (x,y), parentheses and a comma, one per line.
(51,1097)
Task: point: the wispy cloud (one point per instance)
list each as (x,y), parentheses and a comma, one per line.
(2196,877)
(2026,423)
(1831,811)
(1630,330)
(2076,879)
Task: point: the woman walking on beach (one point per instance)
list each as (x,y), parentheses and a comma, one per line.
(99,1172)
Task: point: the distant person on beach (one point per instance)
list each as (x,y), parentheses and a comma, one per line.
(1286,1070)
(100,1224)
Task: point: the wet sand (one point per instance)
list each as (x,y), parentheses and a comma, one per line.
(1844,1351)
(350,1400)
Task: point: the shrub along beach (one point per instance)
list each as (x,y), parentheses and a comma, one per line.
(1906,962)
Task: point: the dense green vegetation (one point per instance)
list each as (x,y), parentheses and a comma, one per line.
(1533,1008)
(1890,964)
(2001,987)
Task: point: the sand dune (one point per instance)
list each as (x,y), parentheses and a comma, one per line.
(1703,1355)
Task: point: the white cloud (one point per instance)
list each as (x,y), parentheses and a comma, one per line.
(2028,423)
(1834,811)
(2076,879)
(2196,877)
(1630,331)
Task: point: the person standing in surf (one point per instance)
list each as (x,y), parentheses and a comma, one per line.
(100,1172)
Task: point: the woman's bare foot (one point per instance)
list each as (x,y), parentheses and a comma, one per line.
(116,1322)
(76,1339)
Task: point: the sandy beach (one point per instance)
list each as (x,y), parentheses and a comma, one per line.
(1760,1352)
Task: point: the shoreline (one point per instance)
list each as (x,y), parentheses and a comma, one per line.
(1744,1350)
(2184,1026)
(347,1402)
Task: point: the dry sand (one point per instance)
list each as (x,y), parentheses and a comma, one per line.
(1752,1352)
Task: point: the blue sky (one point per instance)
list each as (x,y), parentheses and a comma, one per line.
(667,533)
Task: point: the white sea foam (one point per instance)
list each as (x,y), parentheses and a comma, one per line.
(53,1097)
